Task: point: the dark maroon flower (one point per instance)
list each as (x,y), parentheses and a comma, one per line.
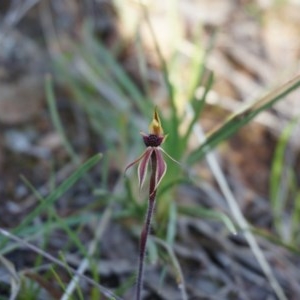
(153,140)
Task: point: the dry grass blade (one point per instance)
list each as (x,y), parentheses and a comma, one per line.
(51,258)
(14,277)
(179,277)
(238,216)
(92,248)
(17,12)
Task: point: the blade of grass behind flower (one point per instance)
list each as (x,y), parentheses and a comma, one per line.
(60,190)
(142,63)
(101,120)
(58,262)
(15,280)
(275,240)
(58,279)
(199,63)
(72,235)
(173,125)
(62,70)
(111,95)
(197,105)
(120,75)
(201,212)
(171,230)
(278,170)
(56,119)
(238,216)
(179,275)
(30,233)
(242,117)
(100,228)
(296,220)
(100,75)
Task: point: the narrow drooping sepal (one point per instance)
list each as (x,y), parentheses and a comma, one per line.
(161,167)
(136,161)
(169,156)
(143,166)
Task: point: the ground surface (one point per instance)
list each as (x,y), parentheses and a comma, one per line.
(257,46)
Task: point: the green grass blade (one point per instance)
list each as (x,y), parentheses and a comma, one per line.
(242,117)
(120,75)
(72,235)
(275,240)
(61,189)
(56,119)
(171,229)
(60,281)
(179,275)
(58,262)
(201,212)
(199,63)
(197,106)
(277,172)
(32,232)
(173,126)
(296,220)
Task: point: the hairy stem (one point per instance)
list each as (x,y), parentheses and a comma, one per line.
(146,229)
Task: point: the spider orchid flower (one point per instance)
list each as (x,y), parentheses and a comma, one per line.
(153,153)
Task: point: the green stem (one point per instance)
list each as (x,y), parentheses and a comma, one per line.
(146,230)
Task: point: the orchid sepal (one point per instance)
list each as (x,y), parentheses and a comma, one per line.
(135,162)
(161,168)
(143,166)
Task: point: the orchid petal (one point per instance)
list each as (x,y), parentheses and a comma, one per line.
(136,161)
(143,134)
(169,156)
(161,167)
(143,166)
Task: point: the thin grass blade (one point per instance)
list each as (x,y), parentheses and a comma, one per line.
(242,117)
(61,189)
(278,174)
(56,119)
(201,212)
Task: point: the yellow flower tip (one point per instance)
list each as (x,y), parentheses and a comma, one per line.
(155,128)
(155,125)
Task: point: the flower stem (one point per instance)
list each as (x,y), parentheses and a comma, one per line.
(146,229)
